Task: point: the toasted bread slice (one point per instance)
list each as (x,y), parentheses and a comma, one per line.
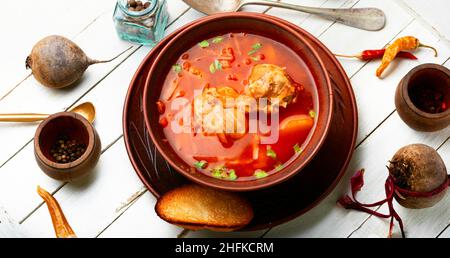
(196,207)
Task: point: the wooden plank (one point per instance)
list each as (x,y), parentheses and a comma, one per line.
(18,182)
(141,221)
(9,228)
(210,234)
(312,23)
(329,220)
(297,17)
(434,13)
(23,26)
(418,223)
(445,153)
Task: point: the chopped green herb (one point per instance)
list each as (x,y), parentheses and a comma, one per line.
(212,68)
(176,68)
(271,153)
(279,167)
(224,173)
(232,175)
(312,114)
(255,58)
(255,48)
(217,40)
(201,164)
(215,66)
(260,173)
(204,44)
(217,171)
(297,148)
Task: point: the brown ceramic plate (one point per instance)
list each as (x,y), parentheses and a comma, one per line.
(275,205)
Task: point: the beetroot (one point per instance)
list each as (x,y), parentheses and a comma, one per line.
(421,175)
(57,62)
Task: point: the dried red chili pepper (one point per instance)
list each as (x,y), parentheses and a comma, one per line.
(368,55)
(400,44)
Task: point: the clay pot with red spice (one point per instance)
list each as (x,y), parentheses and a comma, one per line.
(423,98)
(420,176)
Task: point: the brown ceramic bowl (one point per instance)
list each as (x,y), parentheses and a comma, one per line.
(73,126)
(215,25)
(427,75)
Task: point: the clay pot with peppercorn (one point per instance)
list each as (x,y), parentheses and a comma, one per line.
(423,98)
(66,146)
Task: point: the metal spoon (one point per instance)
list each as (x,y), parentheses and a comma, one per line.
(363,18)
(87,110)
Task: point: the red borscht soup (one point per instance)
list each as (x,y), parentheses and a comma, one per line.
(238,106)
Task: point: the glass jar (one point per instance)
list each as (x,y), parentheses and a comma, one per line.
(146,26)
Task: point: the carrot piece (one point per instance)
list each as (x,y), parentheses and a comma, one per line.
(60,224)
(297,122)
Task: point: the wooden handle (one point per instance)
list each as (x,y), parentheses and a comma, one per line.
(22,117)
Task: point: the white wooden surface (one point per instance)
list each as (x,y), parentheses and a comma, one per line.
(112,202)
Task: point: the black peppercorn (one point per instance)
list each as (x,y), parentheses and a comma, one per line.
(65,150)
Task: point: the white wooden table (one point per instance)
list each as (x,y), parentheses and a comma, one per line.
(114,203)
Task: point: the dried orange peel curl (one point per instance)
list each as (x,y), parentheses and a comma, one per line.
(60,224)
(401,44)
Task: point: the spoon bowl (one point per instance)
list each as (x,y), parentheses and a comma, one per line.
(87,110)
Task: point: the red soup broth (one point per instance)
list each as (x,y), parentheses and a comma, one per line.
(245,158)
